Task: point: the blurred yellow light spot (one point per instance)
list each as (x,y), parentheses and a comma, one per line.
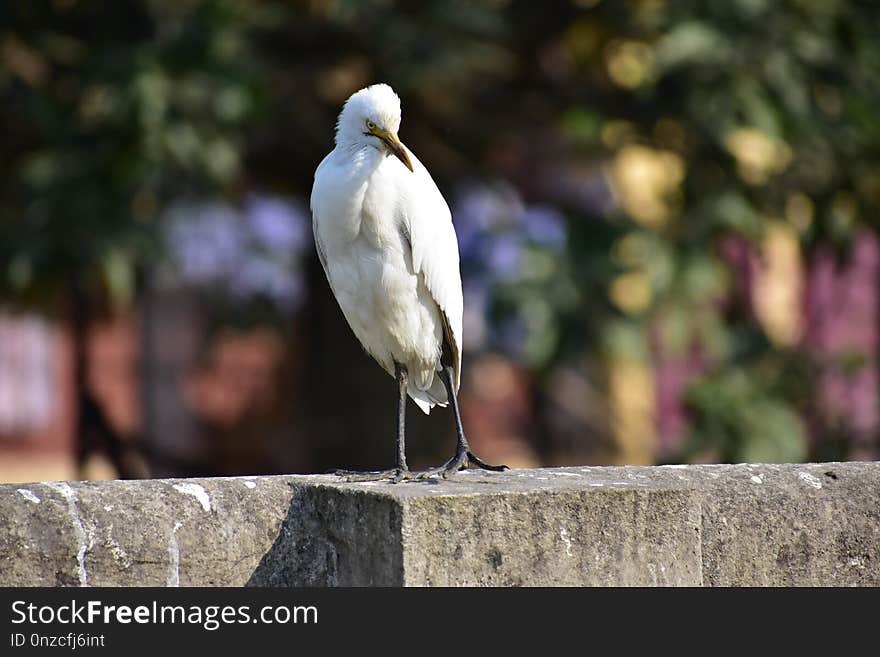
(645,182)
(758,155)
(631,292)
(628,63)
(632,396)
(799,211)
(778,286)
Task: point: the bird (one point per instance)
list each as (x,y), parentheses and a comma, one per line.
(385,238)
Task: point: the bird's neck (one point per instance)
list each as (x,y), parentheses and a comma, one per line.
(364,157)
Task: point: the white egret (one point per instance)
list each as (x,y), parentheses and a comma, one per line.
(385,238)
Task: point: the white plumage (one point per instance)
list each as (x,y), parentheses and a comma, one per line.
(385,238)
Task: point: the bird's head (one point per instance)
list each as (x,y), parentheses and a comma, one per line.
(371,117)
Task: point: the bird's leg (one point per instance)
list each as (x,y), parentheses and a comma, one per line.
(402,384)
(401,472)
(463,457)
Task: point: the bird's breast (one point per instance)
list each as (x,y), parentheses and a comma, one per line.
(370,268)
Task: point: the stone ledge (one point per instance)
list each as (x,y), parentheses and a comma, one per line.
(703,525)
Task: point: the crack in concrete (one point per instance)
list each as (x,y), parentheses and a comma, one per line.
(69,494)
(174,558)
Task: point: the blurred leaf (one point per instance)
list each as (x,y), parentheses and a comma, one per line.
(625,340)
(738,414)
(691,42)
(118,277)
(582,125)
(772,433)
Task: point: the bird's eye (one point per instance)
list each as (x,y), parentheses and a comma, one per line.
(370,124)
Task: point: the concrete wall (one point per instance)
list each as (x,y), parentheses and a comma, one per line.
(710,525)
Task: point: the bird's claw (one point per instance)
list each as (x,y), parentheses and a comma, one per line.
(461,461)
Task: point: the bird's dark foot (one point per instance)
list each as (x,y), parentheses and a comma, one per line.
(394,475)
(463,459)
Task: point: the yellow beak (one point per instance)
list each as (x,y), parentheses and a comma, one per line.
(394,146)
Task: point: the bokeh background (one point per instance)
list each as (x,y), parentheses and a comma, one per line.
(667,215)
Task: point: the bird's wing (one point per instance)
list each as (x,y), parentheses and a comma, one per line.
(317,208)
(428,225)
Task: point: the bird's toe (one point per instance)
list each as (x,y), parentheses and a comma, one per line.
(473,459)
(461,461)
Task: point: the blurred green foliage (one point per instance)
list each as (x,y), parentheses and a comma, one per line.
(110,109)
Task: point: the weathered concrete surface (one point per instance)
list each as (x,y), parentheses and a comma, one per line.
(525,527)
(752,525)
(209,532)
(787,525)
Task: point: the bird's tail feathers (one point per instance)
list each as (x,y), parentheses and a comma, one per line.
(433,395)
